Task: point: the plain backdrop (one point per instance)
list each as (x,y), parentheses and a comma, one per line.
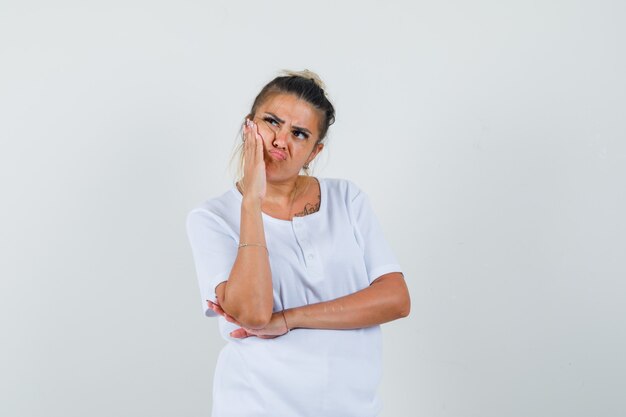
(490,136)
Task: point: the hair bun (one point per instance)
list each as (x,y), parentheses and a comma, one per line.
(306,74)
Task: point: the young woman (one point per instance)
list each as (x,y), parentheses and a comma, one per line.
(297,269)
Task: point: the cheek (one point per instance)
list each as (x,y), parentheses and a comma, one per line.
(265,134)
(265,131)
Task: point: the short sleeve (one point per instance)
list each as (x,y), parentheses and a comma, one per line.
(214,251)
(377,254)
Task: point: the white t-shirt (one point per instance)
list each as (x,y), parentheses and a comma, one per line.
(333,252)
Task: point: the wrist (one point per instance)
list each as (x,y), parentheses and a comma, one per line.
(251,203)
(291,316)
(287,326)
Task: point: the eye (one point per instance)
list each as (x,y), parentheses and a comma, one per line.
(270,120)
(300,134)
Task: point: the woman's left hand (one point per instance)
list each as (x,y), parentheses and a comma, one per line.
(275,328)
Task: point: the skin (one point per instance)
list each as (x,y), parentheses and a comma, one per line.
(296,137)
(281,137)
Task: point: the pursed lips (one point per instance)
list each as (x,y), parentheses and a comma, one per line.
(277,154)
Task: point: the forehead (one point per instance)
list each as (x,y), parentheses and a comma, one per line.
(293,110)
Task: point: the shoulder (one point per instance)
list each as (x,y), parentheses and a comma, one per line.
(345,189)
(220,208)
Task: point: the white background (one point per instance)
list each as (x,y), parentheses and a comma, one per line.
(490,136)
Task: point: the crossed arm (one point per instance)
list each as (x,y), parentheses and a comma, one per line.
(386,299)
(246,299)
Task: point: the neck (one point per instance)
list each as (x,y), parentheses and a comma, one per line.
(282,191)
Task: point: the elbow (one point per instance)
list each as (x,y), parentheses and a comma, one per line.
(250,312)
(255,315)
(404,312)
(399,299)
(404,306)
(405,301)
(250,318)
(254,321)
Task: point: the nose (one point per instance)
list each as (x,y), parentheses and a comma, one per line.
(280,138)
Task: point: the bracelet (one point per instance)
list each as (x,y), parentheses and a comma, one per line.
(243,245)
(286,325)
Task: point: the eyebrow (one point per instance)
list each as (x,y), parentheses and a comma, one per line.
(279,120)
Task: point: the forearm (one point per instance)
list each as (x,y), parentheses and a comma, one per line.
(379,303)
(247,295)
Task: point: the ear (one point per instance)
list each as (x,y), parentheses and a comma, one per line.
(317,149)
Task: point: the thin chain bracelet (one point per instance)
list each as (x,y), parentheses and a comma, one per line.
(243,245)
(284,318)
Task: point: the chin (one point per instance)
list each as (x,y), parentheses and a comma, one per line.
(277,175)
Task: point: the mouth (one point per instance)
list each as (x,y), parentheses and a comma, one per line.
(281,156)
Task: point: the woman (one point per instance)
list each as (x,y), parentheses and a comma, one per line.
(297,269)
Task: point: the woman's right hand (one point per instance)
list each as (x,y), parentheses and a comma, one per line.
(254,181)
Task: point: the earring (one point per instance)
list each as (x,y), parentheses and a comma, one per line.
(306,166)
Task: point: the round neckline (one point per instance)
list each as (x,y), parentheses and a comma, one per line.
(295,218)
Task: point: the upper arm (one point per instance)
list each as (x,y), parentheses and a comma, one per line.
(377,254)
(389,276)
(214,251)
